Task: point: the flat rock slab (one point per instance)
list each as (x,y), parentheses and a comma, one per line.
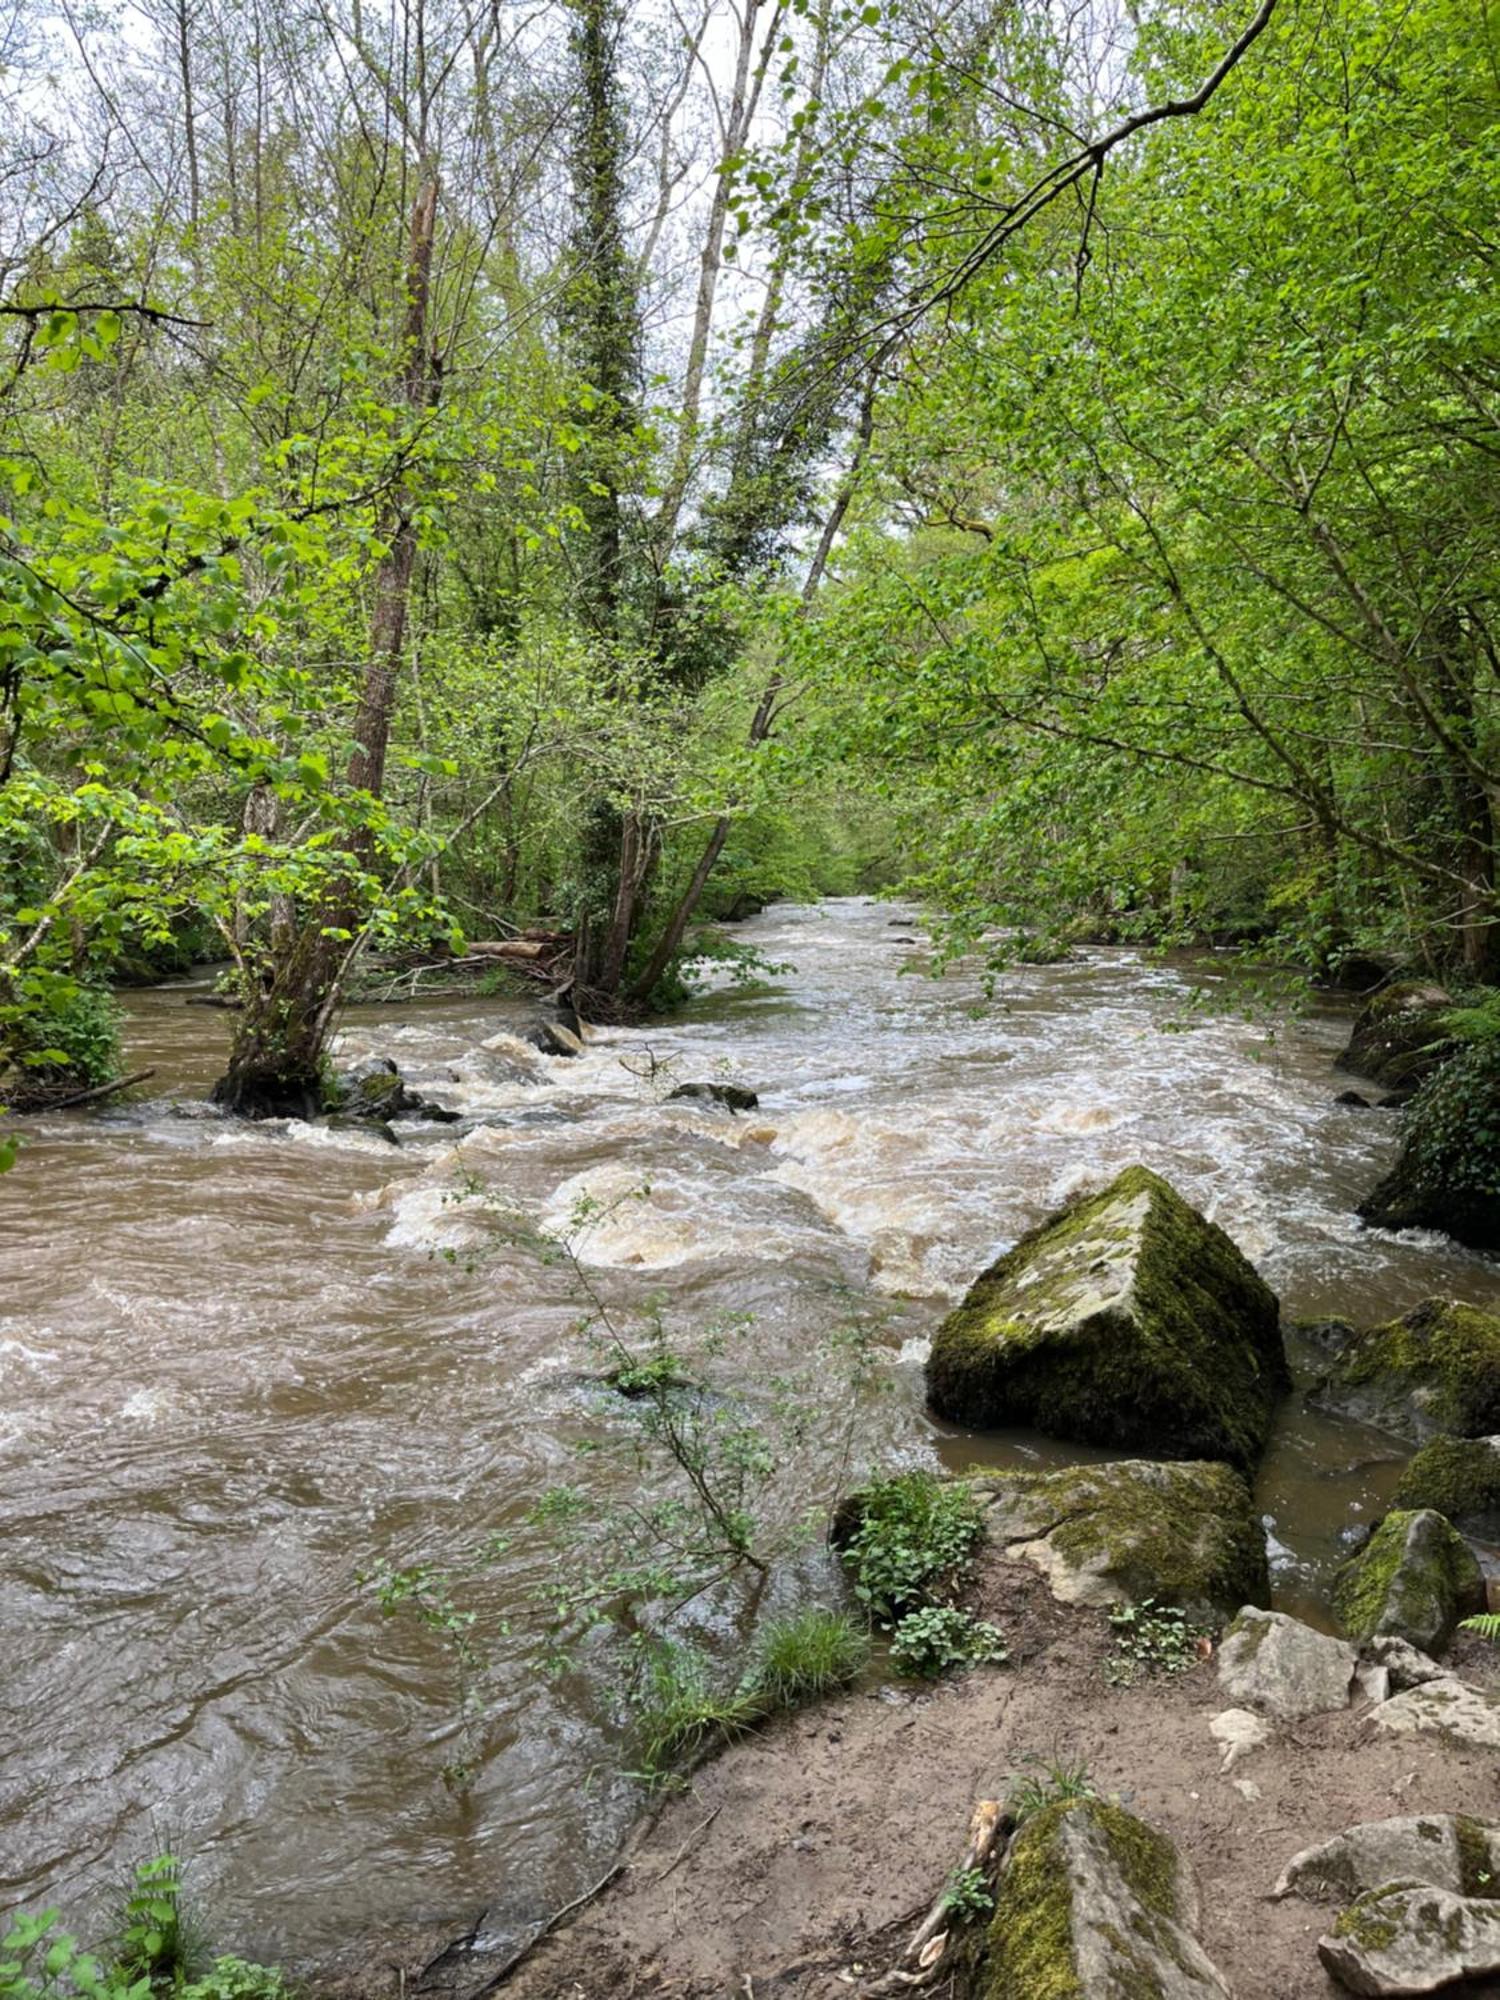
(1284,1668)
(1410,1938)
(1094,1903)
(1450,1706)
(1443,1850)
(1128,1320)
(1181,1533)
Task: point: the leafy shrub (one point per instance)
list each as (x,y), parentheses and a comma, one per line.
(68,1035)
(1150,1639)
(916,1533)
(967,1895)
(808,1655)
(1451,1128)
(158,1941)
(935,1640)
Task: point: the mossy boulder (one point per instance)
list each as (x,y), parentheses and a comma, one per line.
(1127,1320)
(1093,1904)
(1398,1035)
(1459,1477)
(1414,1578)
(1447,1174)
(1408,1937)
(1182,1533)
(1435,1371)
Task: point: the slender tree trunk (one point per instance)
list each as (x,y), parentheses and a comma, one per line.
(276,1065)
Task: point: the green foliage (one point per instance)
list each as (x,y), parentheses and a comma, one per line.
(425,1596)
(967,1895)
(1485,1623)
(1150,1639)
(159,1940)
(941,1638)
(1451,1128)
(677,1707)
(1048,1781)
(807,1655)
(915,1536)
(59,1034)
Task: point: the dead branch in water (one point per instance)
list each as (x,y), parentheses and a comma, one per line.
(43,1103)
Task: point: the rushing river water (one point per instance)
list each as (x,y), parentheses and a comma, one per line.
(239,1364)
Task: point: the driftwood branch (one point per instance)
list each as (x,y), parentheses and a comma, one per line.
(99,1090)
(990,1828)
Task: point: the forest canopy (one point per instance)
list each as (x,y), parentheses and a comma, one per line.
(588,470)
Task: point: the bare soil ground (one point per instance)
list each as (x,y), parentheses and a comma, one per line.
(797,1863)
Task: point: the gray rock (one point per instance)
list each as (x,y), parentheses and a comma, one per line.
(553,1039)
(1437,1369)
(1127,1320)
(1410,1938)
(1449,1707)
(1444,1850)
(1403,1665)
(1087,1879)
(1414,1579)
(1282,1667)
(1183,1534)
(733,1096)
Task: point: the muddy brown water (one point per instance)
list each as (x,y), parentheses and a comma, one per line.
(238,1365)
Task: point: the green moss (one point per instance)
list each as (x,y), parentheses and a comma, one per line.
(1476,1870)
(1366,1923)
(1456,1476)
(1127,1319)
(1192,1541)
(1031,1954)
(1414,1577)
(1438,1369)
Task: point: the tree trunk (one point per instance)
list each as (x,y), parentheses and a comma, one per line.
(277,1066)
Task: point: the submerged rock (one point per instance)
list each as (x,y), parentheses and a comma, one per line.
(1282,1667)
(1414,1579)
(1445,1850)
(1182,1533)
(1126,1320)
(733,1096)
(1410,1938)
(1398,1035)
(1448,1706)
(1459,1477)
(1093,1904)
(552,1038)
(1436,1370)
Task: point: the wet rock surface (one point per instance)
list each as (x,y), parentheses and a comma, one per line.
(1460,1478)
(1128,1320)
(1283,1668)
(733,1096)
(1398,1036)
(1436,1370)
(1180,1533)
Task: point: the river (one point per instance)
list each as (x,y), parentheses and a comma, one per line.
(238,1365)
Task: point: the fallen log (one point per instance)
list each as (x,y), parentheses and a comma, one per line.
(91,1096)
(990,1827)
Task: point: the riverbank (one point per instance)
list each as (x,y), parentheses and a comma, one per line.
(797,1864)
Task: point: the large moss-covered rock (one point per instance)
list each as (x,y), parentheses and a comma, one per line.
(1093,1904)
(1127,1320)
(1414,1578)
(1437,1370)
(1398,1035)
(1459,1477)
(1447,1174)
(1183,1533)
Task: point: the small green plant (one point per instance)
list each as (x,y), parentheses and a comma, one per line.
(1047,1782)
(967,1895)
(677,1709)
(40,1962)
(916,1535)
(1485,1623)
(808,1655)
(940,1637)
(158,1938)
(1150,1639)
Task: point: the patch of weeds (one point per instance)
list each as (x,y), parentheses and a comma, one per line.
(159,1939)
(916,1535)
(1048,1781)
(939,1638)
(1151,1639)
(805,1656)
(967,1895)
(677,1709)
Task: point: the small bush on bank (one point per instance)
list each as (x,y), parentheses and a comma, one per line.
(806,1656)
(929,1643)
(916,1534)
(72,1042)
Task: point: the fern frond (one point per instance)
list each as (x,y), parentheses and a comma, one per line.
(1485,1623)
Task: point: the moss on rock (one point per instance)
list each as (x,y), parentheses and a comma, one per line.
(1437,1370)
(1459,1477)
(1414,1578)
(1093,1904)
(1182,1533)
(1127,1320)
(1399,1034)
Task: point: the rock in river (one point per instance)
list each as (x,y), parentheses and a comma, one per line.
(1436,1370)
(1398,1035)
(1181,1533)
(733,1096)
(1459,1477)
(1126,1320)
(1414,1579)
(1094,1904)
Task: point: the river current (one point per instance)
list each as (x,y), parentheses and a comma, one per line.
(240,1365)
